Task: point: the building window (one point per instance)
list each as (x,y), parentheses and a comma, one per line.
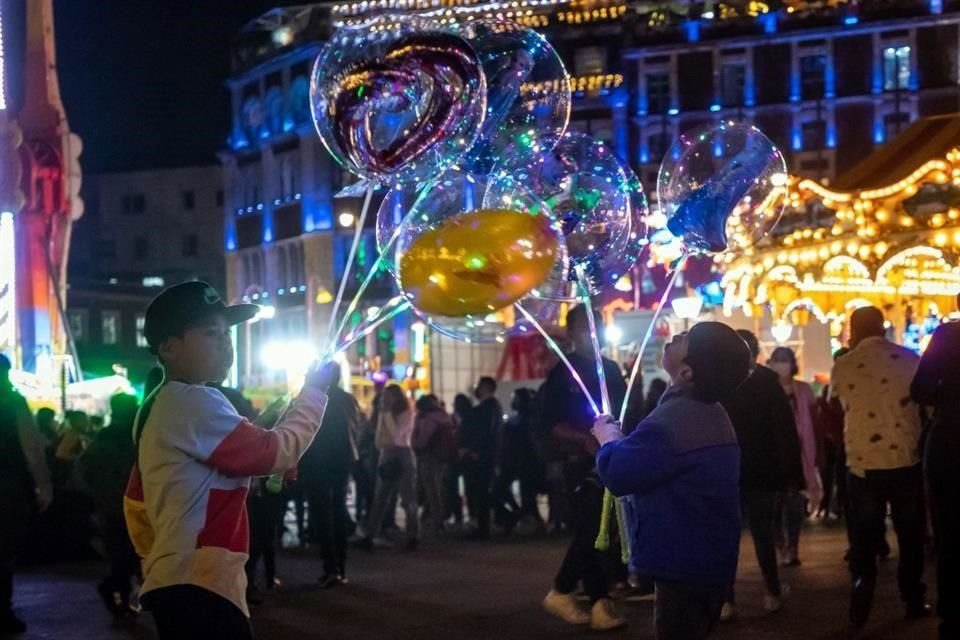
(896,68)
(219,197)
(894,123)
(658,143)
(658,92)
(134,204)
(110,327)
(141,339)
(188,200)
(812,74)
(814,135)
(732,79)
(590,61)
(141,248)
(106,249)
(78,324)
(190,246)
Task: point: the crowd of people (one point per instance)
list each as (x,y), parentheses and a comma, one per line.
(732,440)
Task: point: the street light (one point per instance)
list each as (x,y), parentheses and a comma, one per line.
(346,219)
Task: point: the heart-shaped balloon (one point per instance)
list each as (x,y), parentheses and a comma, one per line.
(397,99)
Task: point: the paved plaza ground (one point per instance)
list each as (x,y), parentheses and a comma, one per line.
(467,590)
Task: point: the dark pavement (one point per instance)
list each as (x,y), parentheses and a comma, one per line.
(467,590)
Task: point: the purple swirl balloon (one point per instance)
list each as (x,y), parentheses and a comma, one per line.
(401,107)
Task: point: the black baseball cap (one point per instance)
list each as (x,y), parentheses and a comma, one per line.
(188,305)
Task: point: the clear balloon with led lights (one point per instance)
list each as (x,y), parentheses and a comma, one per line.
(397,98)
(463,265)
(528,88)
(722,187)
(596,200)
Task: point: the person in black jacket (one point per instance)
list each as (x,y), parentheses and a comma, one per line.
(325,473)
(770,464)
(937,384)
(106,466)
(24,487)
(478,436)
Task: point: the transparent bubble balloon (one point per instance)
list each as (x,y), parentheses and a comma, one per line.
(462,266)
(397,98)
(597,201)
(528,89)
(722,187)
(396,204)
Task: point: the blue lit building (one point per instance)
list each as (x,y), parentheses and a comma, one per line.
(827,81)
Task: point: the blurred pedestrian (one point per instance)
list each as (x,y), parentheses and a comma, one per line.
(477,438)
(792,507)
(770,465)
(106,467)
(517,461)
(833,469)
(882,437)
(47,425)
(568,417)
(454,500)
(655,391)
(435,444)
(25,487)
(396,468)
(325,474)
(937,384)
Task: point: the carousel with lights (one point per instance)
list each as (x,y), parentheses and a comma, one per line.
(886,234)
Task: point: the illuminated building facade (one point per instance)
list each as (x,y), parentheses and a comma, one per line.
(887,234)
(829,82)
(39,192)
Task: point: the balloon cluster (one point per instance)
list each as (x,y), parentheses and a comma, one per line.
(491,202)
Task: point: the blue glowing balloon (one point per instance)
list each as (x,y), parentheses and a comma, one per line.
(722,188)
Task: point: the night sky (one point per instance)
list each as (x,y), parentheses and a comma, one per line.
(143,80)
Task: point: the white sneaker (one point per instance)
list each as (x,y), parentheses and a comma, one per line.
(772,604)
(603,616)
(565,607)
(728,613)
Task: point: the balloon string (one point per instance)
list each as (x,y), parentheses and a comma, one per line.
(560,354)
(399,304)
(350,256)
(646,339)
(595,341)
(355,302)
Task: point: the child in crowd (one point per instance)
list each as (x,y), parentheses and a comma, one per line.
(186,500)
(682,466)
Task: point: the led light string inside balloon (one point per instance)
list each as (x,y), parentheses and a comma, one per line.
(594,341)
(560,354)
(331,338)
(647,335)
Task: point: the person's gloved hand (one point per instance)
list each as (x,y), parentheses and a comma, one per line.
(606,429)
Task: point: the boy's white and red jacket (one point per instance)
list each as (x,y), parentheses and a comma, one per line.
(185,504)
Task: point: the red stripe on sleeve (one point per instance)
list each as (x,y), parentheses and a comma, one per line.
(248,450)
(134,489)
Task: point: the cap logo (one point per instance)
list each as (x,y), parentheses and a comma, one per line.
(210,296)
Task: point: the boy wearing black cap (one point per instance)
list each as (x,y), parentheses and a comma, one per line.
(682,466)
(186,500)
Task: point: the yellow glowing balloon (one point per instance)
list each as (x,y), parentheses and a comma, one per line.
(478,262)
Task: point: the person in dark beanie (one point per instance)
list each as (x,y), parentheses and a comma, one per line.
(937,384)
(681,465)
(770,465)
(106,467)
